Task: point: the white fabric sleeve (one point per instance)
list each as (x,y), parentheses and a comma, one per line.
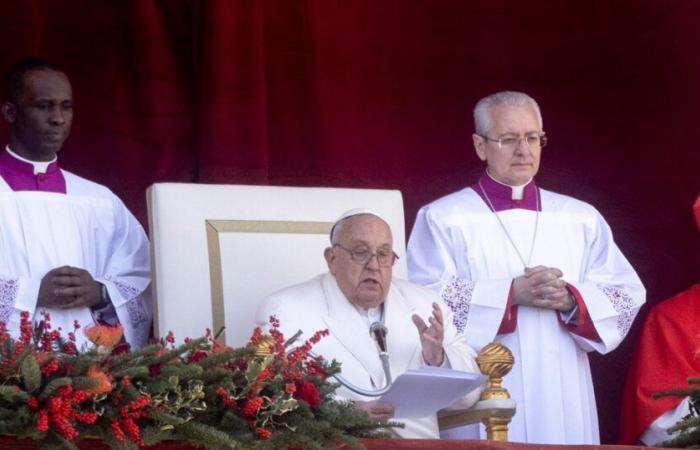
(127,276)
(429,255)
(459,355)
(446,363)
(611,289)
(431,263)
(657,431)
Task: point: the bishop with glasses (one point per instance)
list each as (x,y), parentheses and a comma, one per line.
(535,270)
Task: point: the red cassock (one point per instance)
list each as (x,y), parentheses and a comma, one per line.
(664,359)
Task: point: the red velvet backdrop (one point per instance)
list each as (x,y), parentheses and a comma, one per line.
(378,93)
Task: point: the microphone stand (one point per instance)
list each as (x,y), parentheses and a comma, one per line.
(378,331)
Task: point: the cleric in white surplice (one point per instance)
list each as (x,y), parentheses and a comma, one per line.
(68,246)
(532,269)
(358,291)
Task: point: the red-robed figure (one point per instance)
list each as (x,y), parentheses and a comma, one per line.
(666,355)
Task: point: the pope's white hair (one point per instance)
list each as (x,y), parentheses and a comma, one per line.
(482,110)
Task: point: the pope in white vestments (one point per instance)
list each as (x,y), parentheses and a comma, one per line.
(356,294)
(535,270)
(63,239)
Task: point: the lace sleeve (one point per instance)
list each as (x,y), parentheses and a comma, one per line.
(623,304)
(8,296)
(457,293)
(134,302)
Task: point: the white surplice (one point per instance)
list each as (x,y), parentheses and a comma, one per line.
(319,304)
(89,228)
(458,249)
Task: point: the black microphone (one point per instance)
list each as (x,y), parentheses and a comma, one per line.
(379,331)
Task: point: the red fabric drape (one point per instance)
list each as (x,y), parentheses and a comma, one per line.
(378,93)
(664,359)
(231,92)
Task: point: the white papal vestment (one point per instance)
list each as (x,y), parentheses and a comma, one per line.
(89,228)
(458,248)
(319,304)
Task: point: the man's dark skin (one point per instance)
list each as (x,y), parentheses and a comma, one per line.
(40,116)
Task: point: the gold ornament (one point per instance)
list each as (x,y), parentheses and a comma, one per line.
(265,347)
(495,360)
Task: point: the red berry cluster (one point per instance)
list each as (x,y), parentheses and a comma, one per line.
(62,411)
(48,336)
(50,340)
(302,352)
(25,328)
(33,403)
(251,406)
(314,367)
(307,391)
(226,397)
(265,374)
(125,426)
(196,356)
(263,433)
(256,337)
(49,368)
(70,348)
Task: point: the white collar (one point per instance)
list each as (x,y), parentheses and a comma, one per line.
(516,191)
(39,166)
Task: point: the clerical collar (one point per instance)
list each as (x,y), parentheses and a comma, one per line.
(22,174)
(38,166)
(371,315)
(503,196)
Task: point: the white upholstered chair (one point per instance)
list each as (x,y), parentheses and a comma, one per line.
(218,250)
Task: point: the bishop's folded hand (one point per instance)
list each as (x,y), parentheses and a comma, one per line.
(542,287)
(68,287)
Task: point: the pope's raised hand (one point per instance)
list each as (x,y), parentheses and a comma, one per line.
(431,336)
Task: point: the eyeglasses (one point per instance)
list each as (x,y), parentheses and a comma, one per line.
(362,255)
(511,143)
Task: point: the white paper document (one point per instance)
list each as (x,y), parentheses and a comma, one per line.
(422,392)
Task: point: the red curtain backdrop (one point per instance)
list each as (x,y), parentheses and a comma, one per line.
(378,94)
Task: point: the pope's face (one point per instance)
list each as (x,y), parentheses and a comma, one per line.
(41,117)
(510,166)
(365,285)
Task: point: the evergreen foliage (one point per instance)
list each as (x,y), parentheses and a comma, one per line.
(688,428)
(261,396)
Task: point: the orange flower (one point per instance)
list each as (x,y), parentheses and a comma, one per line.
(105,335)
(104,379)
